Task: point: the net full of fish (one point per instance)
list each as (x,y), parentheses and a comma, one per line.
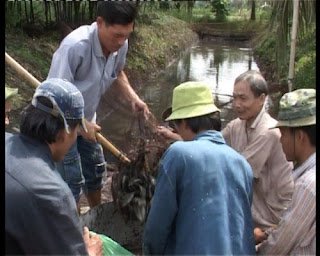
(133,186)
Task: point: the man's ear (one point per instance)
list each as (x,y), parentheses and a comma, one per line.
(99,21)
(262,98)
(61,136)
(301,135)
(184,124)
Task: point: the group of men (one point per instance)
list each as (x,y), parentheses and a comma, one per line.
(281,202)
(217,192)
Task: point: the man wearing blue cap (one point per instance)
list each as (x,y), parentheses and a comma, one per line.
(40,213)
(296,231)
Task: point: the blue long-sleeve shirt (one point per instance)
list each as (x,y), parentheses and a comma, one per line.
(202,201)
(40,212)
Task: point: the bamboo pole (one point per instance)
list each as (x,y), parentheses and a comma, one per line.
(293,43)
(34,82)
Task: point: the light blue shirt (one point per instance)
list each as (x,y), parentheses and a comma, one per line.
(202,200)
(80,60)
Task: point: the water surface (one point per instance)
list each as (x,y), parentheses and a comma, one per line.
(215,63)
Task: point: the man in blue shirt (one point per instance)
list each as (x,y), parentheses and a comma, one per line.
(40,212)
(203,194)
(92,58)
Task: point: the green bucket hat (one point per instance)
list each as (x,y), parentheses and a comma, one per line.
(297,108)
(10,92)
(191,99)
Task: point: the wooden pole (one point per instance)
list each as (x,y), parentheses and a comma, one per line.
(293,43)
(34,82)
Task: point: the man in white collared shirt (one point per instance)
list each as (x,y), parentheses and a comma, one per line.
(249,134)
(92,57)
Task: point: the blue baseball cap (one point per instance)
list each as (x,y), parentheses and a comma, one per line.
(66,99)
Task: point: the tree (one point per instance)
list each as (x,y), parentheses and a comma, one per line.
(253,10)
(220,9)
(281,18)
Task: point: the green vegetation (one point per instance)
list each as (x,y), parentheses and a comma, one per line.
(162,32)
(305,61)
(155,43)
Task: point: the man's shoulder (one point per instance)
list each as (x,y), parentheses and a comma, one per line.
(79,37)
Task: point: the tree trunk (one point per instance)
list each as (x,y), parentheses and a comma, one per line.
(26,10)
(31,12)
(293,43)
(253,10)
(76,12)
(46,12)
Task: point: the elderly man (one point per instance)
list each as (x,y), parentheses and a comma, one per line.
(249,134)
(203,194)
(296,232)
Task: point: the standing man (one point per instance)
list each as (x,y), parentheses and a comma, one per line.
(92,58)
(296,232)
(40,212)
(203,193)
(9,94)
(250,135)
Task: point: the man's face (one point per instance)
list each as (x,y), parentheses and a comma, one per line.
(7,111)
(287,142)
(246,105)
(112,37)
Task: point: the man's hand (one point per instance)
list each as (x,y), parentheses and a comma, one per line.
(124,88)
(259,235)
(92,129)
(140,105)
(168,133)
(94,243)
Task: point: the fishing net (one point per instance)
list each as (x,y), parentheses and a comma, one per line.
(133,185)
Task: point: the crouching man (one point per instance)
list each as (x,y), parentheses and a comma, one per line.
(40,211)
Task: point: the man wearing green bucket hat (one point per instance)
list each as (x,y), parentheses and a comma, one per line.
(249,135)
(9,94)
(296,232)
(203,193)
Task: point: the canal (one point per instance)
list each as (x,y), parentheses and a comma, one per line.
(216,63)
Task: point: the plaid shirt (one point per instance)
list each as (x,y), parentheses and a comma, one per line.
(296,233)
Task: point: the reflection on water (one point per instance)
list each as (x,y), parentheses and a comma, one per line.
(215,63)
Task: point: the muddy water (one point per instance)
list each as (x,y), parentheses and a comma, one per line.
(215,63)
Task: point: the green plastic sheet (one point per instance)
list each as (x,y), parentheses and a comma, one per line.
(111,247)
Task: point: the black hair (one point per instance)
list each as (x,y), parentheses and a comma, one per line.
(117,12)
(310,130)
(40,125)
(210,121)
(258,84)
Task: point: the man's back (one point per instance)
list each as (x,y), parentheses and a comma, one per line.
(208,198)
(40,213)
